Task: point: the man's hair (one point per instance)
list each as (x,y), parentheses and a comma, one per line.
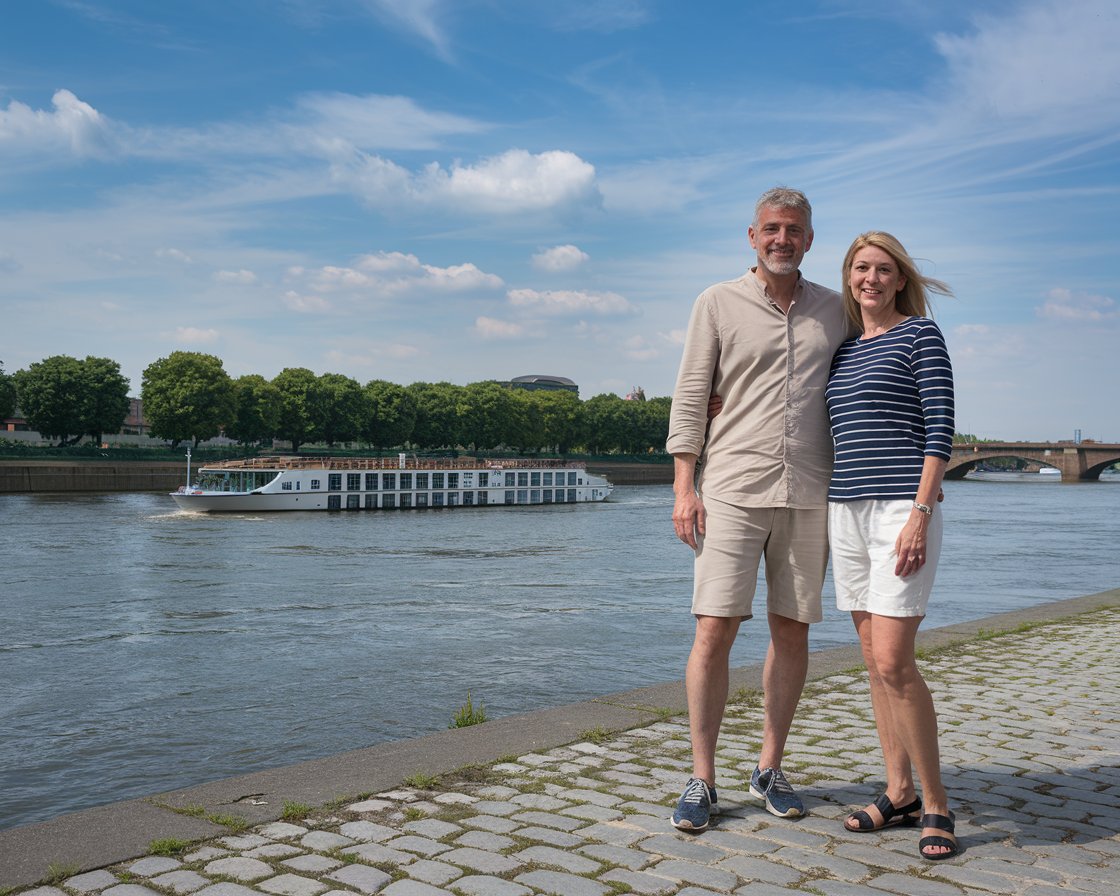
(913,299)
(784,197)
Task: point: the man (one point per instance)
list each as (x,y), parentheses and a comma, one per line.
(764,344)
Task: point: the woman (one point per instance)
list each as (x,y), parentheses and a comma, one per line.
(890,402)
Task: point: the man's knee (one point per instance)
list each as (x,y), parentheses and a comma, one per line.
(715,634)
(788,633)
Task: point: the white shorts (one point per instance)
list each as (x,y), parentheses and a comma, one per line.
(862,537)
(794,543)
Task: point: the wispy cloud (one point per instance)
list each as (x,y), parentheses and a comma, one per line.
(1065,305)
(560,258)
(383,274)
(557,302)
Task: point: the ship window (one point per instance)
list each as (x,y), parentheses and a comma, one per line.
(483,480)
(334,502)
(334,482)
(286,486)
(406,481)
(571,495)
(353,502)
(406,500)
(297,485)
(437,480)
(510,479)
(452,499)
(389,481)
(371,502)
(535,479)
(421,500)
(353,482)
(468,499)
(535,496)
(314,484)
(509,496)
(523,496)
(452,480)
(468,480)
(559,496)
(522,479)
(548,496)
(371,482)
(483,497)
(548,479)
(388,500)
(437,499)
(422,480)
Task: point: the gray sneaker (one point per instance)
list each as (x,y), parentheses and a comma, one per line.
(695,807)
(771,785)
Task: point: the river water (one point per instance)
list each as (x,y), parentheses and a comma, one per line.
(144,649)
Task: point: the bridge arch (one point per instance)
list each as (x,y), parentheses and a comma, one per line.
(1077,462)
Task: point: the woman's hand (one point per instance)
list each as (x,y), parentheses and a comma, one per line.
(910,546)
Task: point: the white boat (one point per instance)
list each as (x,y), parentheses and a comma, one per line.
(378,483)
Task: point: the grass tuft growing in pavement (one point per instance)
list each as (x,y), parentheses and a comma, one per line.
(57,873)
(422,781)
(168,846)
(468,715)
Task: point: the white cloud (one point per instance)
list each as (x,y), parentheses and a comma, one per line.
(560,258)
(1063,304)
(491,328)
(241,276)
(73,126)
(570,301)
(305,304)
(196,336)
(174,255)
(388,273)
(636,348)
(338,123)
(418,17)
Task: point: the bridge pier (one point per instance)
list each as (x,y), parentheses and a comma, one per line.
(1077,462)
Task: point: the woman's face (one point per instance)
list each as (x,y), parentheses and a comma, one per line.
(875,280)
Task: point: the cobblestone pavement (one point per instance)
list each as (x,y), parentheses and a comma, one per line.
(1031,727)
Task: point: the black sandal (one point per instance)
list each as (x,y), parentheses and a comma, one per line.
(901,816)
(942,823)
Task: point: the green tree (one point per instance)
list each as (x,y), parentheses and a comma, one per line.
(339,411)
(560,416)
(527,430)
(297,391)
(604,423)
(258,410)
(486,414)
(392,414)
(7,394)
(437,417)
(104,397)
(51,396)
(188,395)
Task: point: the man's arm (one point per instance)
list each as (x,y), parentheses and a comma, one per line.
(689,516)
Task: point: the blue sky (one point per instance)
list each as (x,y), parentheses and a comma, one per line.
(478,189)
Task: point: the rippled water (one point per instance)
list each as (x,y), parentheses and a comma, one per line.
(145,649)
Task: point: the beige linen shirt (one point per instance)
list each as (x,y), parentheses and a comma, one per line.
(770,446)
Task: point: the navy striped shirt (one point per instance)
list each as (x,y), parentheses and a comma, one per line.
(890,403)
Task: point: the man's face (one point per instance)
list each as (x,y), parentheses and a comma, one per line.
(781,239)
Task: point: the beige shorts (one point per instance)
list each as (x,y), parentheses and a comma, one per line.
(794,543)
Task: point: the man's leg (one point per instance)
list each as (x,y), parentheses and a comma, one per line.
(783,679)
(706,683)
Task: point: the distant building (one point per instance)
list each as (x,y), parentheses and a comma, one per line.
(636,394)
(535,382)
(134,423)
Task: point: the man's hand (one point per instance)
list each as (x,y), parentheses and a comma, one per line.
(689,517)
(715,405)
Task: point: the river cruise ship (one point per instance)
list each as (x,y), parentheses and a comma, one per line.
(378,483)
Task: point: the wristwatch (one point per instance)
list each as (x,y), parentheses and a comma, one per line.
(923,508)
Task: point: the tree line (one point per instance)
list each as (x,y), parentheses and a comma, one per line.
(189,397)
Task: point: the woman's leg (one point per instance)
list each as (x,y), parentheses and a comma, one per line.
(910,705)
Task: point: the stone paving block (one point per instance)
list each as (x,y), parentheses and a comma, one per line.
(432,872)
(836,888)
(92,881)
(637,882)
(485,840)
(325,841)
(496,807)
(539,801)
(875,857)
(480,860)
(432,828)
(44,891)
(557,883)
(558,858)
(153,865)
(548,820)
(791,836)
(274,851)
(239,868)
(365,832)
(909,885)
(619,834)
(476,885)
(595,797)
(1016,870)
(311,863)
(205,854)
(738,842)
(812,861)
(362,878)
(631,859)
(379,853)
(292,885)
(764,889)
(682,846)
(181,882)
(751,868)
(281,830)
(421,845)
(243,841)
(370,806)
(130,890)
(227,889)
(413,888)
(692,873)
(588,812)
(549,836)
(491,823)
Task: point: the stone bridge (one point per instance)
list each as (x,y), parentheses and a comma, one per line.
(1077,461)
